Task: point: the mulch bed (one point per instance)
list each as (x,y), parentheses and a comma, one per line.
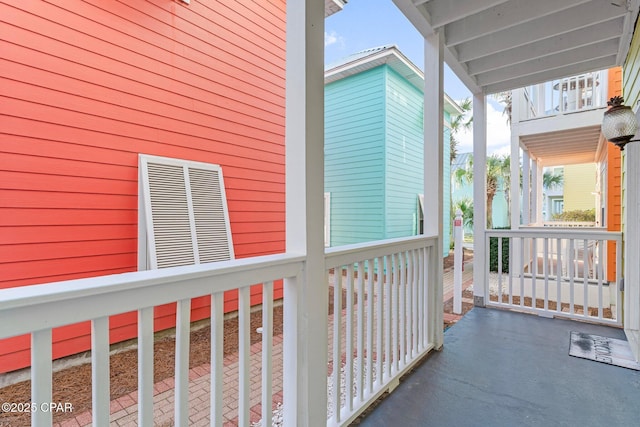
(74,384)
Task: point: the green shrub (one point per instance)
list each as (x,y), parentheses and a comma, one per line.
(588,215)
(493,253)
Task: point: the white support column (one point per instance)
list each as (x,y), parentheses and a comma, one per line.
(479,197)
(632,248)
(514,196)
(433,170)
(306,297)
(526,188)
(536,179)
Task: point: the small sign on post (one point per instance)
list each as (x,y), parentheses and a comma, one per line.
(458,234)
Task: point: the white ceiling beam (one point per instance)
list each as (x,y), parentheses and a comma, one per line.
(572,159)
(627,30)
(510,14)
(446,11)
(547,75)
(560,144)
(559,23)
(543,138)
(579,55)
(417,15)
(460,70)
(564,42)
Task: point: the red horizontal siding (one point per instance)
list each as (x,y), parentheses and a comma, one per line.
(86,87)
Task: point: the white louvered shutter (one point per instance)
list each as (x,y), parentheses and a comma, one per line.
(185,212)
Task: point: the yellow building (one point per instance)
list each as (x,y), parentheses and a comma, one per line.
(579,187)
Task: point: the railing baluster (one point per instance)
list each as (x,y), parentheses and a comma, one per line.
(183,323)
(585,272)
(244,355)
(545,266)
(100,379)
(360,333)
(499,270)
(618,279)
(145,367)
(600,274)
(217,357)
(267,350)
(559,275)
(387,320)
(415,290)
(394,309)
(380,294)
(521,268)
(534,273)
(337,339)
(402,309)
(348,374)
(571,261)
(370,317)
(511,271)
(41,376)
(423,256)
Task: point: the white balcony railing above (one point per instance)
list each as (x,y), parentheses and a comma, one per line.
(570,94)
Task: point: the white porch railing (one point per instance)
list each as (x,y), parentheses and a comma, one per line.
(577,93)
(39,309)
(380,329)
(555,273)
(385,327)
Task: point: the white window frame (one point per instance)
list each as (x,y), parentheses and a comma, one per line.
(147,251)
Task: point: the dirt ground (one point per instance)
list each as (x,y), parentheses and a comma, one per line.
(74,384)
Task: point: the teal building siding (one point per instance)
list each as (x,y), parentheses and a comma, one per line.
(354,157)
(374,157)
(404,155)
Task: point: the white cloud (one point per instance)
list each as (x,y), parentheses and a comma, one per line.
(332,38)
(498,134)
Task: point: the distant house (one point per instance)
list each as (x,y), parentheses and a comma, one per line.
(374,148)
(464,191)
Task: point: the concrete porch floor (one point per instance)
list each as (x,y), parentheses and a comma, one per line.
(501,368)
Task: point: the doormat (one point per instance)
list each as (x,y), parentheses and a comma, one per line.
(612,351)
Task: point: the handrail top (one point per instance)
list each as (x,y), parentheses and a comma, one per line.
(92,286)
(568,232)
(340,255)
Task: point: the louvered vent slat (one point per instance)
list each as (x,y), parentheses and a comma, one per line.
(209,213)
(176,210)
(170,213)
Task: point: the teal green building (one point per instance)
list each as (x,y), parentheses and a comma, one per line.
(374,149)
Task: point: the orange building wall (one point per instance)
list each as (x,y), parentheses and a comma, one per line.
(85,87)
(614,185)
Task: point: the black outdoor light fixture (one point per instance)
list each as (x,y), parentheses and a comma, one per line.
(619,124)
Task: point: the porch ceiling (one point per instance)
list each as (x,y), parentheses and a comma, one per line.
(573,146)
(497,45)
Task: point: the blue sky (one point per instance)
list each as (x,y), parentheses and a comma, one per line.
(364,24)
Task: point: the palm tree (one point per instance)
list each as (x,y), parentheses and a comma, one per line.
(551,180)
(498,170)
(466,207)
(459,123)
(506,99)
